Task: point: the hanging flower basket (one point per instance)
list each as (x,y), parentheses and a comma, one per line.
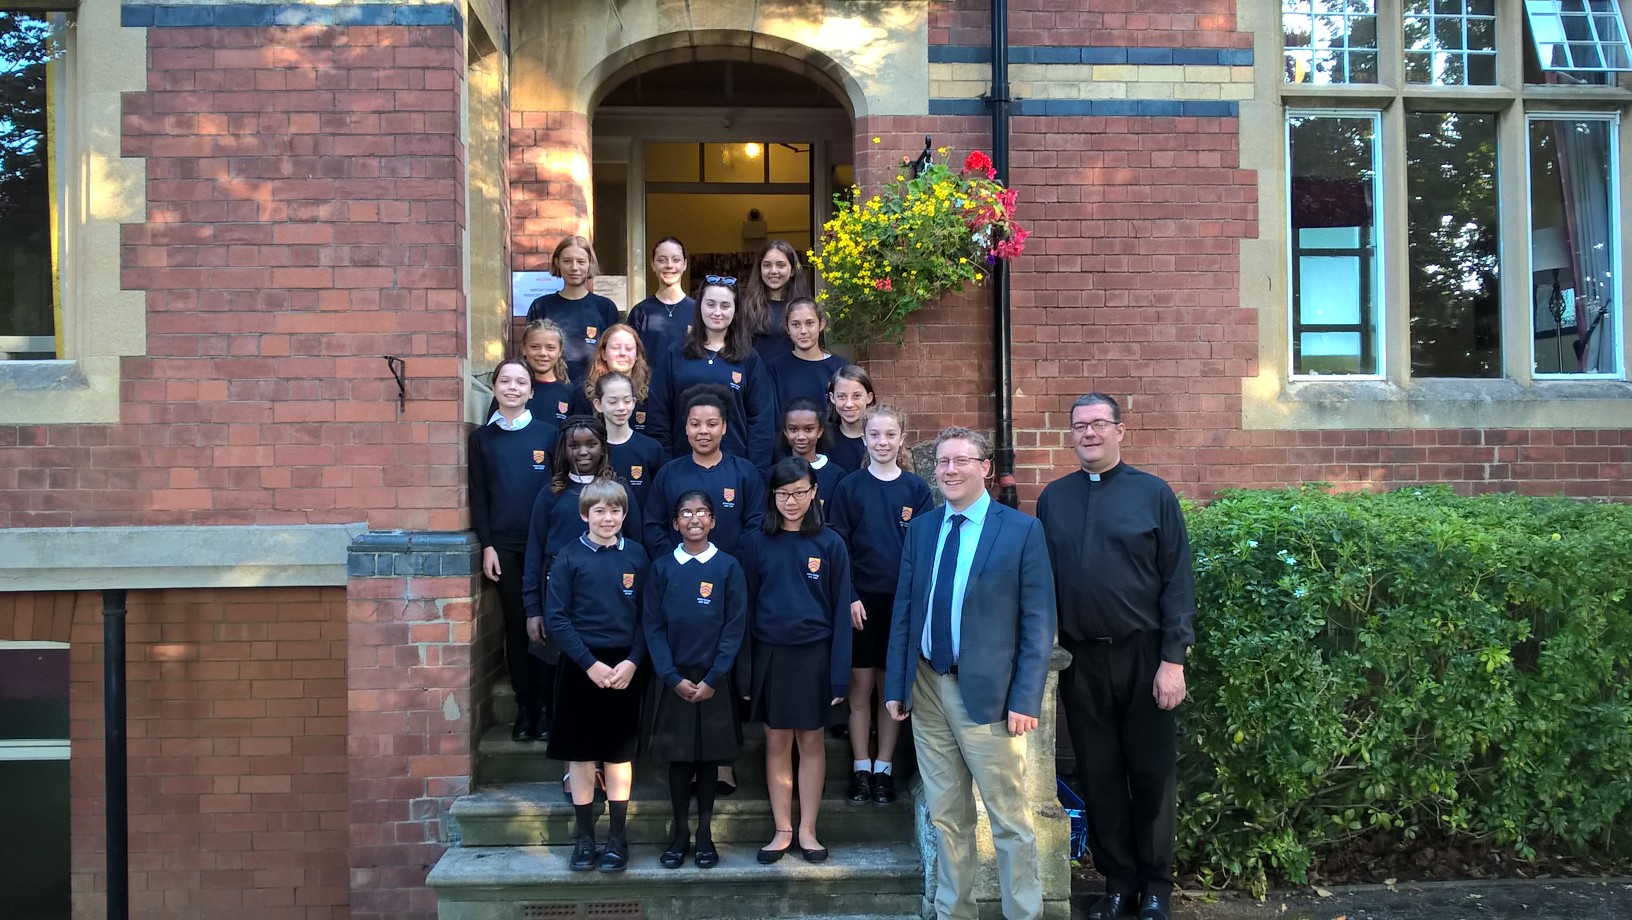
(920,237)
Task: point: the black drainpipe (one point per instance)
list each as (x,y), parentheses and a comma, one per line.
(113,717)
(1003,338)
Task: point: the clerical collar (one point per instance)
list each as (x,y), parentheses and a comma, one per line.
(1100,477)
(684,557)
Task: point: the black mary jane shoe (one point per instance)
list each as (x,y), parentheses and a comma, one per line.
(706,857)
(583,855)
(816,855)
(616,857)
(675,856)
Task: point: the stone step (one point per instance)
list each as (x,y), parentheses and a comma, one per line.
(885,882)
(501,760)
(533,814)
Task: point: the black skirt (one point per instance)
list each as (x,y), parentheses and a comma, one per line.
(706,731)
(870,645)
(793,687)
(592,723)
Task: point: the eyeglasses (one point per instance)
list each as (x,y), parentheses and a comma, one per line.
(793,495)
(689,513)
(952,463)
(729,281)
(1099,426)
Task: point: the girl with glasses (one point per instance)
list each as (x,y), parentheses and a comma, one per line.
(799,585)
(694,616)
(717,352)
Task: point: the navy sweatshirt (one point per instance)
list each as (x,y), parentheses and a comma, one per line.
(793,377)
(637,461)
(555,523)
(872,516)
(848,452)
(828,477)
(661,327)
(734,485)
(775,344)
(507,470)
(750,418)
(695,615)
(594,600)
(582,405)
(582,321)
(801,593)
(551,402)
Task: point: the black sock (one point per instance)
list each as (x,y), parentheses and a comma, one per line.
(680,777)
(586,820)
(705,803)
(616,812)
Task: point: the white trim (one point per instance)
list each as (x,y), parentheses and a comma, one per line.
(10,644)
(35,749)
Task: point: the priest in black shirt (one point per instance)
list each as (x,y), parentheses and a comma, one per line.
(1127,602)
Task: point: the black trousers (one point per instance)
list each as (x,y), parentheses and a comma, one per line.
(1126,769)
(529,676)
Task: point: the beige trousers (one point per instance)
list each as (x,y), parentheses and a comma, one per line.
(952,752)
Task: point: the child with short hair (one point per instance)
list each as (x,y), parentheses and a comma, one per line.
(592,612)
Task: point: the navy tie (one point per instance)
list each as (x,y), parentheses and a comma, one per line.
(940,608)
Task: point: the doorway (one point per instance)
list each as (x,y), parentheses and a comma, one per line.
(724,155)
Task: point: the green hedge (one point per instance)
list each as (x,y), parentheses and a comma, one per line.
(1403,662)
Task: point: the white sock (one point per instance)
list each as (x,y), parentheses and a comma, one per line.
(863,766)
(881,766)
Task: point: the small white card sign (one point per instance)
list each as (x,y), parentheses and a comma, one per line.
(527,287)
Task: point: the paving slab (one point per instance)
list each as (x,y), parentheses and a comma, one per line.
(1542,899)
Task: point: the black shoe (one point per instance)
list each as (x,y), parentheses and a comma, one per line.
(883,788)
(817,855)
(583,855)
(768,855)
(1153,907)
(675,856)
(525,728)
(1110,906)
(707,857)
(861,786)
(616,857)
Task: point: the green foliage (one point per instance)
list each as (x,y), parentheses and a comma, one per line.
(1406,661)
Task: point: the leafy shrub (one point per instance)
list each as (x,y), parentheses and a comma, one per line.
(1403,662)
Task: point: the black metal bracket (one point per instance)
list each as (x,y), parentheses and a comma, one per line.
(399,370)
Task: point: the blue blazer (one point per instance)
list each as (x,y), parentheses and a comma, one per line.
(1009,615)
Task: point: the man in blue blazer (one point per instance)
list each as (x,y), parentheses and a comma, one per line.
(970,637)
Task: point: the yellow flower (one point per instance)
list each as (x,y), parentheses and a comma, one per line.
(875,140)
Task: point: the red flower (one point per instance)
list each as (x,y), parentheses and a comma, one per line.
(1013,246)
(979,162)
(883,284)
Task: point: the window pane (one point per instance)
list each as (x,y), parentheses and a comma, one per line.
(28,289)
(1334,256)
(1330,41)
(1450,42)
(33,693)
(1575,272)
(1451,209)
(734,162)
(34,852)
(672,162)
(1581,40)
(790,163)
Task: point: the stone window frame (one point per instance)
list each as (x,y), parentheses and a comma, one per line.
(1274,398)
(98,190)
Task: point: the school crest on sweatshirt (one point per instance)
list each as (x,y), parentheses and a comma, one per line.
(906,513)
(730,495)
(561,407)
(628,582)
(589,334)
(538,457)
(635,471)
(640,418)
(736,378)
(705,588)
(814,564)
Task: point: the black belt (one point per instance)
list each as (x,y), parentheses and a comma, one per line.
(952,673)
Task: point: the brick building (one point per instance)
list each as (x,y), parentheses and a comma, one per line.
(1370,243)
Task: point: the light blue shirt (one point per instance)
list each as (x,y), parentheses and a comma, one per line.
(968,539)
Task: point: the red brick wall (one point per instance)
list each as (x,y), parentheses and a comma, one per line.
(1101,23)
(305,209)
(237,748)
(546,201)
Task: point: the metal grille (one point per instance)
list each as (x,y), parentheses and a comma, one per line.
(592,910)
